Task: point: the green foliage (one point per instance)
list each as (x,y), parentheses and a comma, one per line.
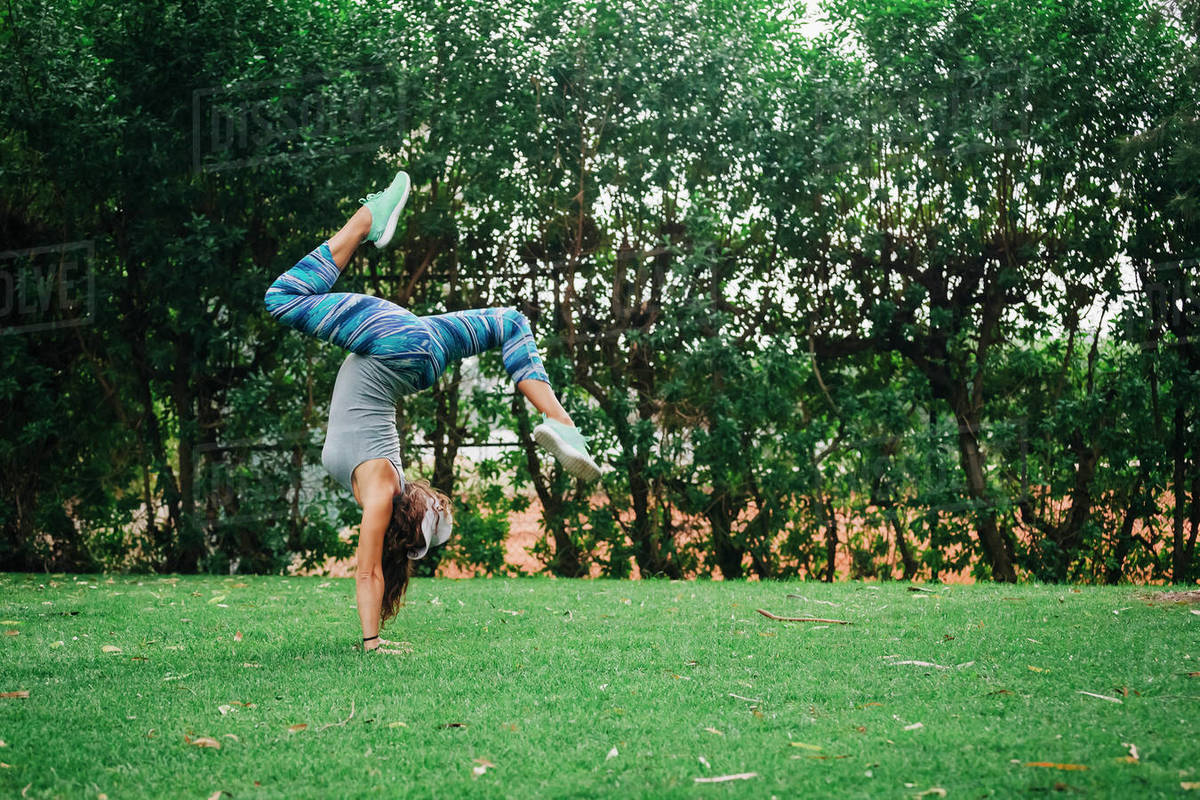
(825,305)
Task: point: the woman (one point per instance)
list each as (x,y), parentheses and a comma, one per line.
(393,353)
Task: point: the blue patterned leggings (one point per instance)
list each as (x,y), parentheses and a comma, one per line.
(419,348)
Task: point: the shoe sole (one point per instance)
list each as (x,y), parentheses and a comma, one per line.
(390,228)
(573,461)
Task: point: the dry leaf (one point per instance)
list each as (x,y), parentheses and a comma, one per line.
(238,585)
(5,766)
(741,776)
(936,791)
(915,726)
(232,736)
(12,633)
(298,727)
(704,762)
(18,693)
(237,637)
(10,622)
(714,731)
(110,648)
(1189,785)
(918,664)
(805,746)
(250,664)
(1102,697)
(224,709)
(59,643)
(611,754)
(216,599)
(483,767)
(1055,766)
(1037,669)
(203,741)
(397,724)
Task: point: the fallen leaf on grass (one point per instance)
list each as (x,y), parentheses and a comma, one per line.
(224,709)
(216,599)
(202,741)
(1101,697)
(741,776)
(918,664)
(747,699)
(714,731)
(1037,669)
(397,724)
(1052,765)
(483,767)
(217,794)
(611,754)
(12,633)
(110,648)
(231,736)
(250,664)
(297,727)
(455,725)
(936,791)
(237,637)
(915,726)
(18,693)
(806,746)
(704,762)
(1189,785)
(10,622)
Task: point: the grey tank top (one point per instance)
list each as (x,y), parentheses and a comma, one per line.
(362,418)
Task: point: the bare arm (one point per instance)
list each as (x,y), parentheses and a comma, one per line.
(368,577)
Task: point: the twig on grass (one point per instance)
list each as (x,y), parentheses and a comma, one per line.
(769,615)
(343,722)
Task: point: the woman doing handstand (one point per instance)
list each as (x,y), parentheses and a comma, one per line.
(393,353)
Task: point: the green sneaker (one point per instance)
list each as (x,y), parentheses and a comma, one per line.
(385,209)
(569,446)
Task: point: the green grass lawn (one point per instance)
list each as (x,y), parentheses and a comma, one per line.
(593,688)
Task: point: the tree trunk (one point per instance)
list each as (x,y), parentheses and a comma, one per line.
(1179,559)
(566,561)
(972,460)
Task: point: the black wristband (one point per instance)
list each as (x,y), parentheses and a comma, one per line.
(369,638)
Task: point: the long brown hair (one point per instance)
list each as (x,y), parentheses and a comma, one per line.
(403,531)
